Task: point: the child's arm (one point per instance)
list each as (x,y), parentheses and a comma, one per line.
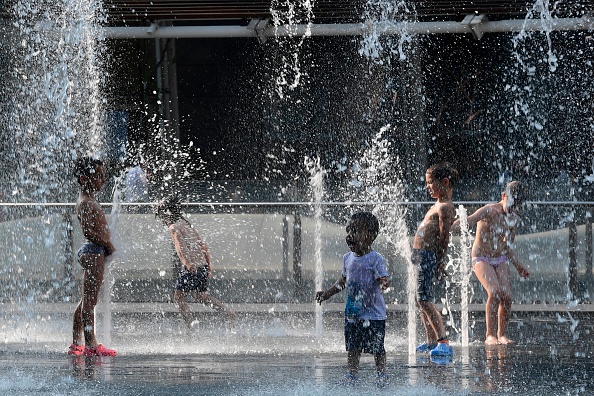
(384,282)
(511,254)
(473,219)
(522,271)
(180,247)
(446,218)
(335,288)
(206,252)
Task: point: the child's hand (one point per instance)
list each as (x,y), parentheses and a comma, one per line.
(522,271)
(321,296)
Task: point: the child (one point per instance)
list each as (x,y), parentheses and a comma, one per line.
(492,250)
(194,256)
(90,174)
(365,277)
(429,250)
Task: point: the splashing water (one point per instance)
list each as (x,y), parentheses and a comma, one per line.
(316,183)
(526,88)
(540,10)
(459,270)
(377,179)
(464,270)
(376,15)
(289,15)
(108,279)
(57,111)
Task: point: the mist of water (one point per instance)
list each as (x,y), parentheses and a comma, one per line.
(290,14)
(465,272)
(316,183)
(57,103)
(377,181)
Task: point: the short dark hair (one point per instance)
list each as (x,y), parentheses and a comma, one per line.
(444,170)
(517,190)
(169,210)
(86,166)
(369,220)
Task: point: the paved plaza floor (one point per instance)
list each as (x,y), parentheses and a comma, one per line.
(272,355)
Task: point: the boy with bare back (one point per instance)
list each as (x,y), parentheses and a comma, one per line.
(90,174)
(194,255)
(492,251)
(429,251)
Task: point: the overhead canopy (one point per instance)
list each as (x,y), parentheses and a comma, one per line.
(126,12)
(243,18)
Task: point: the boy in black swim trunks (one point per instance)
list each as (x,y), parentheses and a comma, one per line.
(90,175)
(195,258)
(429,251)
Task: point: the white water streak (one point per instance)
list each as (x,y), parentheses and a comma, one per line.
(465,271)
(316,183)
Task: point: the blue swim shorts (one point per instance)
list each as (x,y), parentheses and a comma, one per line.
(425,262)
(365,335)
(90,248)
(189,281)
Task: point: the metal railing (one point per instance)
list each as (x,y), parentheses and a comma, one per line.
(566,216)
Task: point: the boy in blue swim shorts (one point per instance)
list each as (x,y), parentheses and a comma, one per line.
(365,277)
(429,251)
(194,255)
(90,174)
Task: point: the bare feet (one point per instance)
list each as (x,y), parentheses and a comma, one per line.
(504,340)
(491,340)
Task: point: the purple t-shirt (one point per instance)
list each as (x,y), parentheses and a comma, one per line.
(365,299)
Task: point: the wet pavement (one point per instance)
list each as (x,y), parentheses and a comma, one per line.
(268,355)
(477,370)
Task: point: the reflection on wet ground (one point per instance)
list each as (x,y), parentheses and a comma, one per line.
(476,370)
(270,356)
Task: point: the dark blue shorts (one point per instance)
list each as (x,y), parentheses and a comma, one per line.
(91,248)
(425,262)
(190,281)
(369,339)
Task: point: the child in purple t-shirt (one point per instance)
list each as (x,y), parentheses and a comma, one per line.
(365,277)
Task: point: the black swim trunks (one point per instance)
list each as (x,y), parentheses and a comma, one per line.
(189,281)
(365,335)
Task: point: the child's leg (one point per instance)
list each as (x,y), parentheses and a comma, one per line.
(488,277)
(180,298)
(353,361)
(380,362)
(430,334)
(93,267)
(433,317)
(505,302)
(205,298)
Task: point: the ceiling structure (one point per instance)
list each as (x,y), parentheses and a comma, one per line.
(242,18)
(122,12)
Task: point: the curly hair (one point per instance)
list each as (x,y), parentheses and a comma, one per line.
(369,219)
(86,166)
